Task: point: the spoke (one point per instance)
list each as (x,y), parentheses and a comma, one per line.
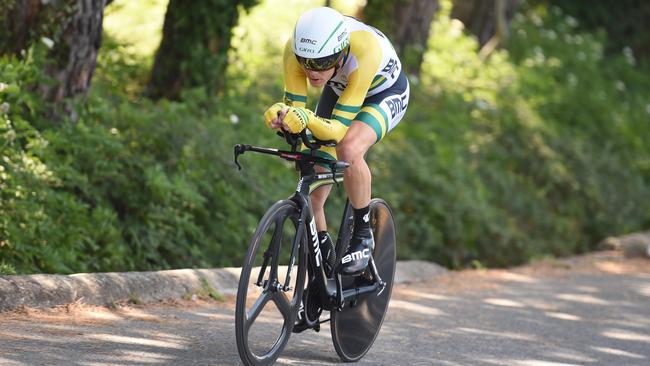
(274,246)
(283,304)
(256,309)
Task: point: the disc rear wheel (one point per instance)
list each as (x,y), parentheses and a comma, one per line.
(355,328)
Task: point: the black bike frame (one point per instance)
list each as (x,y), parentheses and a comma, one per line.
(332,294)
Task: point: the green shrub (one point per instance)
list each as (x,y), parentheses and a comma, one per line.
(539,150)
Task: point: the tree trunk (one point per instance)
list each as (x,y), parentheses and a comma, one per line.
(407,23)
(17,17)
(194,47)
(485,18)
(72,30)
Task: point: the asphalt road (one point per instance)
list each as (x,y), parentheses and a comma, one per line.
(592,310)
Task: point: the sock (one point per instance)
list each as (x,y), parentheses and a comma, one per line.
(362,222)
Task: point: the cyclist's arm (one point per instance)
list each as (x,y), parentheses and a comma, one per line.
(295,80)
(367,51)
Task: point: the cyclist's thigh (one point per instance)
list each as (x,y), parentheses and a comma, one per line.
(385,110)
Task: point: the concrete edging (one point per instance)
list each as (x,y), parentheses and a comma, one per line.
(45,290)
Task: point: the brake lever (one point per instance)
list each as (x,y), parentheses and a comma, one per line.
(333,169)
(239,149)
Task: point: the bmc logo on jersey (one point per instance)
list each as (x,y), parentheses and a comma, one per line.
(307,40)
(397,105)
(390,68)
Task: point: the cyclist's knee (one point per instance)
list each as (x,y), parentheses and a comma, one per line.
(350,150)
(359,138)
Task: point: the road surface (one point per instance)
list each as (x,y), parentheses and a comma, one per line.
(588,310)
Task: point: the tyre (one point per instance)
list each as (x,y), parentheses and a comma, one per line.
(265,312)
(355,328)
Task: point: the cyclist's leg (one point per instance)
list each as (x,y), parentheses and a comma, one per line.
(318,198)
(378,115)
(324,109)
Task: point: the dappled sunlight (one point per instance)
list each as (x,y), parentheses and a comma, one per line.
(589,289)
(417,308)
(300,362)
(151,357)
(636,322)
(504,302)
(517,277)
(612,267)
(572,356)
(626,335)
(216,316)
(538,363)
(562,316)
(421,294)
(508,335)
(618,352)
(34,336)
(105,337)
(542,304)
(7,362)
(137,313)
(644,290)
(581,298)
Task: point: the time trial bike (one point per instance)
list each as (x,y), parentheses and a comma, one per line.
(288,277)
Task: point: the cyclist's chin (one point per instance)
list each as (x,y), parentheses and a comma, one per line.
(317,82)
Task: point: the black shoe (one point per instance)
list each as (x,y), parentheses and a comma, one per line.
(301,324)
(355,260)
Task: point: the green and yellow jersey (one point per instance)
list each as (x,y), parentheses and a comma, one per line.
(370,67)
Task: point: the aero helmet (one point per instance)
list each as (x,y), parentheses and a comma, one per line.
(319,38)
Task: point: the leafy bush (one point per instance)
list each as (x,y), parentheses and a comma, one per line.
(131,185)
(538,150)
(516,157)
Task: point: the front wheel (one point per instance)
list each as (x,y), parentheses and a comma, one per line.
(355,328)
(268,303)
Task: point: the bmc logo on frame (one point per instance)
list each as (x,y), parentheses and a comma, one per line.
(314,239)
(356,256)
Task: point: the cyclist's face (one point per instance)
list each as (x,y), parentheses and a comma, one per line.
(319,78)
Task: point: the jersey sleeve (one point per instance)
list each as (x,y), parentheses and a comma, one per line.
(367,51)
(295,80)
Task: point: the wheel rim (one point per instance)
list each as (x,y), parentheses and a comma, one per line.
(355,328)
(265,315)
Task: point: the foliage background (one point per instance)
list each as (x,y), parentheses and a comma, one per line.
(538,151)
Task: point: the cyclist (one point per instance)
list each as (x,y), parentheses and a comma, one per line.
(365,95)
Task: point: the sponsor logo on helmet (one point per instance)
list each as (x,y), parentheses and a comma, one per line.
(344,34)
(305,49)
(341,46)
(307,40)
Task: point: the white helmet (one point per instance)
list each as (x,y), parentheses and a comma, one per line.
(319,38)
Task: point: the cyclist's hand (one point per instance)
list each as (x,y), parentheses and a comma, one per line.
(274,115)
(296,119)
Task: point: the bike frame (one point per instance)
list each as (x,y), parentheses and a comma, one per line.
(332,295)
